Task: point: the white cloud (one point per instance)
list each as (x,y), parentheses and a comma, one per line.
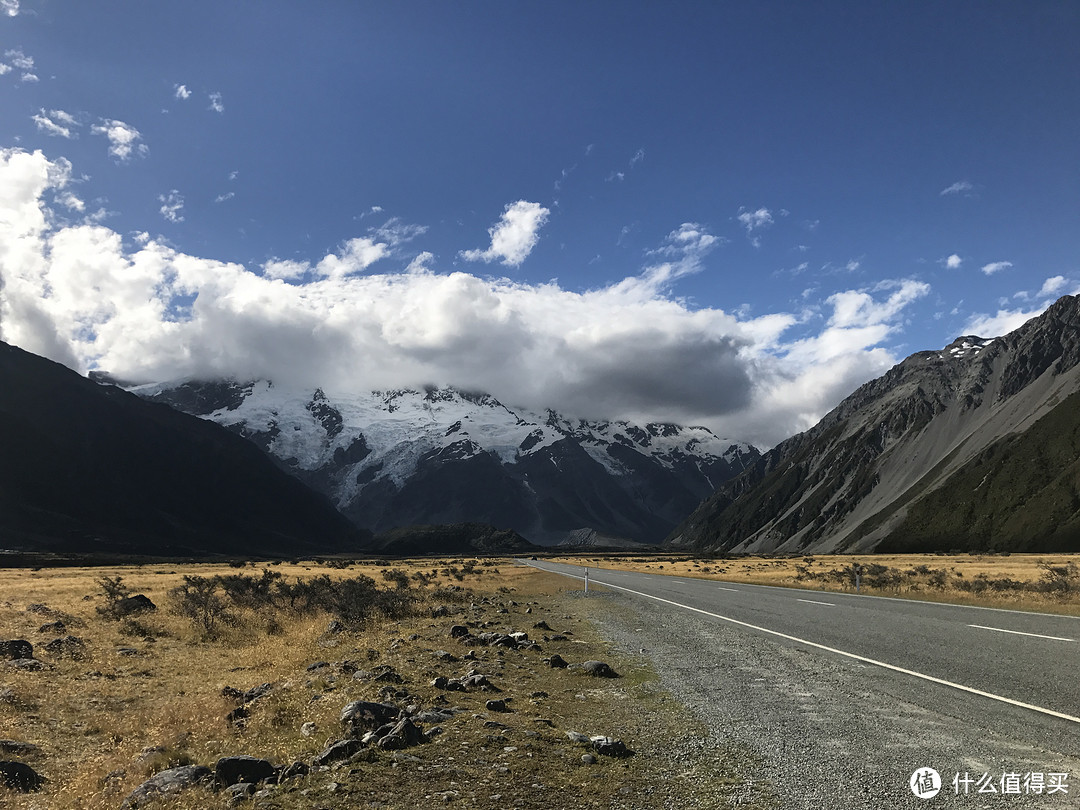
(639,156)
(755,221)
(171,206)
(182,93)
(86,297)
(4,68)
(124,141)
(1003,322)
(19,59)
(56,122)
(952,261)
(514,236)
(1053,286)
(216,104)
(220,198)
(10,7)
(70,201)
(395,232)
(995,267)
(29,77)
(959,187)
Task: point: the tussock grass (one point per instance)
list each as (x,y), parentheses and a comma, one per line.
(106,722)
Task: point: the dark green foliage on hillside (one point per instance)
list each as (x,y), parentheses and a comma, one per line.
(1020,494)
(456,538)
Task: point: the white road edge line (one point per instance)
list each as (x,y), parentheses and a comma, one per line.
(1018,633)
(882,664)
(812,602)
(733,590)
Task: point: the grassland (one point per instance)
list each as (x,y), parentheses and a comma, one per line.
(1039,582)
(152,692)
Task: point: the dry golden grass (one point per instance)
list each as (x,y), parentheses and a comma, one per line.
(107,722)
(912,574)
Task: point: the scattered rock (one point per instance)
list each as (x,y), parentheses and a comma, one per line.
(27,664)
(335,627)
(168,783)
(577,737)
(309,729)
(588,759)
(496,706)
(236,793)
(403,735)
(557,662)
(133,605)
(71,647)
(599,669)
(294,771)
(53,627)
(20,776)
(542,625)
(336,752)
(440,612)
(610,747)
(16,649)
(445,657)
(318,665)
(459,631)
(363,715)
(40,609)
(130,652)
(234,770)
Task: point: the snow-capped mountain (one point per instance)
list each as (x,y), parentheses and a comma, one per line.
(441,455)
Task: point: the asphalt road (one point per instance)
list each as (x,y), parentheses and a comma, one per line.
(844,697)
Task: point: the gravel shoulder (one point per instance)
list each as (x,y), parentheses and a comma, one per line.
(803,729)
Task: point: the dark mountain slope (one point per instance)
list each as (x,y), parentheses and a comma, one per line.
(87,467)
(850,481)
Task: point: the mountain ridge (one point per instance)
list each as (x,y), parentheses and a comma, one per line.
(848,482)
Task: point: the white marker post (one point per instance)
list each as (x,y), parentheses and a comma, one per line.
(586,581)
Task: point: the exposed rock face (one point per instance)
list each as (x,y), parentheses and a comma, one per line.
(865,476)
(441,456)
(90,468)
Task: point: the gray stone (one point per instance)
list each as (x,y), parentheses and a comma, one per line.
(309,729)
(168,783)
(588,759)
(599,669)
(496,706)
(403,735)
(16,747)
(234,770)
(53,627)
(557,662)
(577,736)
(27,664)
(336,752)
(294,771)
(236,793)
(610,747)
(364,715)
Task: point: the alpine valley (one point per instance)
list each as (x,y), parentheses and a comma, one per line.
(972,448)
(442,456)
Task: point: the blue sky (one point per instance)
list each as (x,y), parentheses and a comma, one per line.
(731,214)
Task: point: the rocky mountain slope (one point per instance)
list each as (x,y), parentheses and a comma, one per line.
(971,447)
(91,468)
(443,456)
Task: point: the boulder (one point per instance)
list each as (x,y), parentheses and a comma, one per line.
(234,770)
(168,783)
(610,747)
(342,749)
(598,669)
(67,647)
(403,735)
(557,662)
(53,627)
(20,776)
(294,771)
(27,664)
(496,706)
(363,715)
(15,649)
(133,605)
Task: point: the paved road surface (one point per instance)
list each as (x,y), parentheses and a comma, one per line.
(844,697)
